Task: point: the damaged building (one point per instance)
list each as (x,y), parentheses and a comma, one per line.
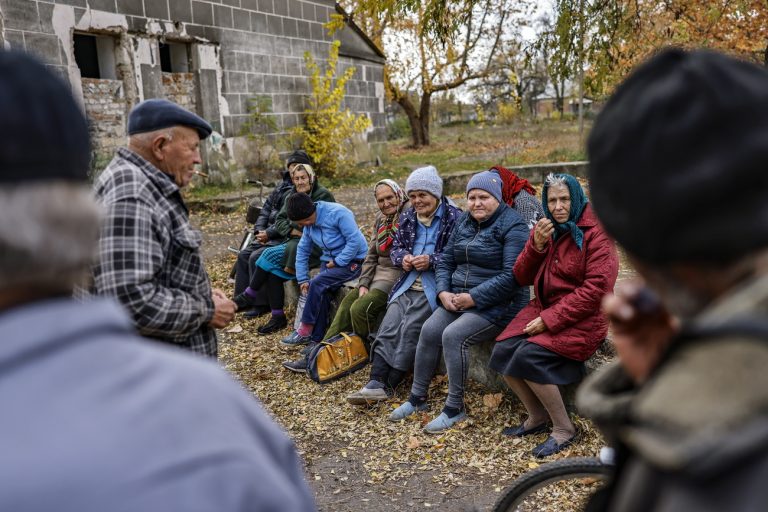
(210,56)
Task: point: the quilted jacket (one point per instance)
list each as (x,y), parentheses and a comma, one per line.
(569,285)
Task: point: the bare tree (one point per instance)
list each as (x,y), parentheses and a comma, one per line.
(420,66)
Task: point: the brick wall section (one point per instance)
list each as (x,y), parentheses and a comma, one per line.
(181,88)
(105,107)
(262,45)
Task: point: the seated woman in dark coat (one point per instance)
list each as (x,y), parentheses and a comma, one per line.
(264,233)
(477,292)
(572,264)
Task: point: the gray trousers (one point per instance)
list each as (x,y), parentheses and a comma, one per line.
(454,333)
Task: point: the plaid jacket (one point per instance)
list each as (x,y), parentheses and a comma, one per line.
(149,255)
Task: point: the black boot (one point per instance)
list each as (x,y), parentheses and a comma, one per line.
(275,324)
(257,311)
(243,302)
(298,366)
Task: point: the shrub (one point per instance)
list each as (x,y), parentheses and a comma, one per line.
(507,113)
(328,132)
(399,128)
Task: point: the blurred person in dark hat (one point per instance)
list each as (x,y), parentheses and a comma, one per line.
(149,255)
(94,417)
(686,407)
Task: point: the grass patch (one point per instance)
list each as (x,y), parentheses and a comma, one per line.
(462,147)
(208,191)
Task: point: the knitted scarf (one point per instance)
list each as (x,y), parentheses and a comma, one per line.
(512,184)
(578,202)
(386,232)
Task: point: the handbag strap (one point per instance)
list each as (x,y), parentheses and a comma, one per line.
(348,347)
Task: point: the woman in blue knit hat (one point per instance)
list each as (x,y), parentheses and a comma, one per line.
(477,296)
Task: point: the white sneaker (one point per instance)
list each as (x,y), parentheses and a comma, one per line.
(368,396)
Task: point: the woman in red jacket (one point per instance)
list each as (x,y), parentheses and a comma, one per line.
(572,264)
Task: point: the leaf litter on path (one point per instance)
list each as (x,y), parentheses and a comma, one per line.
(377,464)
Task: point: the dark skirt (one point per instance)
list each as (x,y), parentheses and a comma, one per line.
(520,358)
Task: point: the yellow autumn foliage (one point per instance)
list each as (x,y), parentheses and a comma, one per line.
(329,129)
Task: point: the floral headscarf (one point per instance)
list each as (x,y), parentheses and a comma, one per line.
(386,233)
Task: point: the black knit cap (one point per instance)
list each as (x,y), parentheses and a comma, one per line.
(298,157)
(300,206)
(43,133)
(678,167)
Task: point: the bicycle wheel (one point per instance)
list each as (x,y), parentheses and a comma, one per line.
(555,486)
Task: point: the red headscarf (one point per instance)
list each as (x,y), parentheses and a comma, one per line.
(512,184)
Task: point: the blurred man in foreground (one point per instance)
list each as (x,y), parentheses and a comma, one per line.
(678,162)
(95,418)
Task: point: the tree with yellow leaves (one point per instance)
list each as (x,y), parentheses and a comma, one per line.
(329,129)
(631,30)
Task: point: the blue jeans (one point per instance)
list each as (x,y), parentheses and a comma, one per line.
(454,333)
(321,290)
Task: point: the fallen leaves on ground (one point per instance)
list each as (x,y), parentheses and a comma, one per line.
(492,401)
(369,455)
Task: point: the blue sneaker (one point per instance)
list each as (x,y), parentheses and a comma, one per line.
(406,410)
(443,423)
(294,340)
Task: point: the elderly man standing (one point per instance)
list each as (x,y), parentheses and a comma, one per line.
(149,255)
(687,405)
(94,417)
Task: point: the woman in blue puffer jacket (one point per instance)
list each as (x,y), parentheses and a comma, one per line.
(477,292)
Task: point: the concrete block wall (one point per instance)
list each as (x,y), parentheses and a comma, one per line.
(258,49)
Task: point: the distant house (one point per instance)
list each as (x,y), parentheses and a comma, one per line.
(210,56)
(544,105)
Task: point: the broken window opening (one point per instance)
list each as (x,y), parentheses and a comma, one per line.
(95,56)
(174,57)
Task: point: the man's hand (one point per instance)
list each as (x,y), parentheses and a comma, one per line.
(421,262)
(408,262)
(535,326)
(463,301)
(447,299)
(224,310)
(304,287)
(262,237)
(362,291)
(642,327)
(542,233)
(330,264)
